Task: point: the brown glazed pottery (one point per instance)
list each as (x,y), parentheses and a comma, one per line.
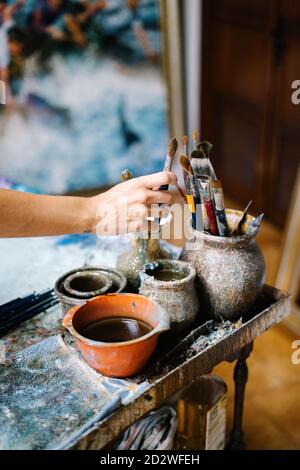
(171,284)
(230,270)
(122,359)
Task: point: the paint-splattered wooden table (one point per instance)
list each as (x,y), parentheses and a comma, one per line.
(176,370)
(175,364)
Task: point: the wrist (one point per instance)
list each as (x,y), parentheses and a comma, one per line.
(88,215)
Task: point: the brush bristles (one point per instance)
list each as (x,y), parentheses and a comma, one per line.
(126,175)
(185,164)
(216,184)
(172,147)
(195,136)
(185,140)
(197,153)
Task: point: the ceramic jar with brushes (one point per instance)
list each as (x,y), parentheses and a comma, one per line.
(172,285)
(230,270)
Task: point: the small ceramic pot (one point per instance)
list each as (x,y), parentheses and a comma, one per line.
(115,279)
(230,270)
(142,251)
(178,296)
(122,359)
(87,284)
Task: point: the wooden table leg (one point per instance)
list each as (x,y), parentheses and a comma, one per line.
(240,378)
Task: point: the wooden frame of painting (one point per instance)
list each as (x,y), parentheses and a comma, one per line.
(173,64)
(288,277)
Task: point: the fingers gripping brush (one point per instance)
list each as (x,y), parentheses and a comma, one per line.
(172,149)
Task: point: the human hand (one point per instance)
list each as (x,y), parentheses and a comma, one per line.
(124,207)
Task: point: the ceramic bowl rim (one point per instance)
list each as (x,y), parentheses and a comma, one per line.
(163,325)
(62,297)
(107,283)
(168,284)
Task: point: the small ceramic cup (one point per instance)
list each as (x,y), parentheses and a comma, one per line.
(171,284)
(87,284)
(68,300)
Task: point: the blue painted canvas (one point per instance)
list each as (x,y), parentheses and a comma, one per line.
(86,97)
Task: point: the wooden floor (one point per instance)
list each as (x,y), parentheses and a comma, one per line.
(272,405)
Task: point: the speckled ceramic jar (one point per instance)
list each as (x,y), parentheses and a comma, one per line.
(230,271)
(177,297)
(130,263)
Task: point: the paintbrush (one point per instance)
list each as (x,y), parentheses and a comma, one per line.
(237,228)
(200,160)
(18,305)
(172,149)
(218,195)
(209,216)
(185,141)
(199,223)
(186,172)
(193,194)
(126,175)
(181,192)
(27,315)
(195,139)
(255,224)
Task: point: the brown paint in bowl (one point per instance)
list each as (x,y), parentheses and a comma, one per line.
(106,340)
(115,330)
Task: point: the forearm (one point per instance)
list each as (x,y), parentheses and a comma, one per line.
(28,215)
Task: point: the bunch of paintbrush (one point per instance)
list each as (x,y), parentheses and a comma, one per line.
(219,205)
(208,208)
(192,193)
(19,310)
(199,175)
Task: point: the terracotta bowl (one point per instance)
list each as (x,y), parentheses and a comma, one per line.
(122,359)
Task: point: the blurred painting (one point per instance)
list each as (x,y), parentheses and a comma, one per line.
(86,96)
